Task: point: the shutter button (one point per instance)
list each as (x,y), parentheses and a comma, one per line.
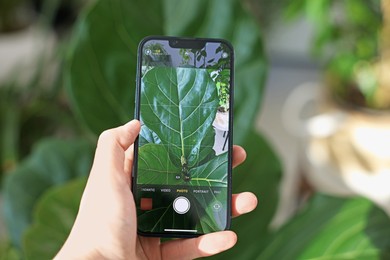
(181,205)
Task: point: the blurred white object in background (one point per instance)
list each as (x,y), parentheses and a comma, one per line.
(19,52)
(346,152)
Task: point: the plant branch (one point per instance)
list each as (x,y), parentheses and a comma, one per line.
(384,76)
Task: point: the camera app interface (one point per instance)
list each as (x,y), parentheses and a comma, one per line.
(182,171)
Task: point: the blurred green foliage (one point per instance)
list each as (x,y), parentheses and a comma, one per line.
(347,37)
(33,104)
(54,215)
(10,18)
(53,162)
(31,111)
(332,228)
(350,26)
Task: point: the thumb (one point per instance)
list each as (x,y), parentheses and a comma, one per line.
(111,147)
(124,136)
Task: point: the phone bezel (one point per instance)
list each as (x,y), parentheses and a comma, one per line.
(179,42)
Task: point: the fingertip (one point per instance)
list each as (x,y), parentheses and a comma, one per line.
(132,130)
(215,243)
(250,202)
(244,154)
(133,121)
(124,135)
(233,236)
(239,155)
(134,124)
(244,203)
(231,241)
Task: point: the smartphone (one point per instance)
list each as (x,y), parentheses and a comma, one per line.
(183,155)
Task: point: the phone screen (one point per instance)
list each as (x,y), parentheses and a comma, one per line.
(182,163)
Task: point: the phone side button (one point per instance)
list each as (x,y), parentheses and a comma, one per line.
(181,205)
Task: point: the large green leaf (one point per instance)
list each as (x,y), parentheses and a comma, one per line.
(102,61)
(179,105)
(212,173)
(214,220)
(52,162)
(54,215)
(333,228)
(227,19)
(146,136)
(210,220)
(156,167)
(261,174)
(161,171)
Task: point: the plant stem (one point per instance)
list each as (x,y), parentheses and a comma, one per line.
(386,27)
(384,66)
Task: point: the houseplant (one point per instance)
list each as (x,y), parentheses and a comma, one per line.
(352,39)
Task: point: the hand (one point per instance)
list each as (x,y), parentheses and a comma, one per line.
(106,226)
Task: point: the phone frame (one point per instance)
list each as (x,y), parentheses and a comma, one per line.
(187,42)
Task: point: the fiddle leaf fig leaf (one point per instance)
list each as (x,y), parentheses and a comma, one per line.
(208,207)
(260,173)
(155,167)
(212,206)
(101,67)
(161,171)
(52,162)
(148,136)
(54,215)
(213,173)
(179,105)
(332,228)
(102,58)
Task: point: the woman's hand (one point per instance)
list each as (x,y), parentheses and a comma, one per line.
(106,224)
